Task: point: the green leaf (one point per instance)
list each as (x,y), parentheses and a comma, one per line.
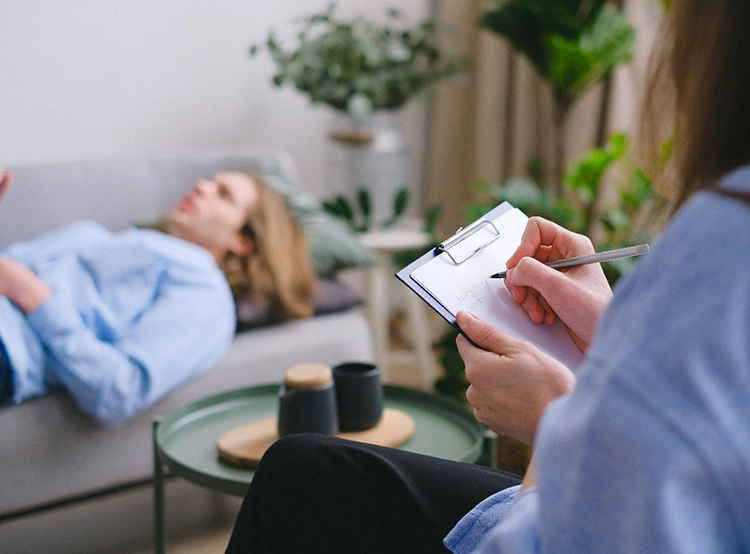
(432,217)
(609,42)
(340,208)
(616,219)
(345,208)
(330,208)
(400,202)
(521,29)
(519,192)
(363,202)
(586,174)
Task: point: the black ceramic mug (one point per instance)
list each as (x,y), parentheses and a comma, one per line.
(307,401)
(359,395)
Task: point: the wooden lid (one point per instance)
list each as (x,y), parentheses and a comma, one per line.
(308,376)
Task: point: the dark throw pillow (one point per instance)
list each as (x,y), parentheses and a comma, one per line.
(330,296)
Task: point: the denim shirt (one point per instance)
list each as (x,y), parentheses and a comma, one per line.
(133,316)
(651,452)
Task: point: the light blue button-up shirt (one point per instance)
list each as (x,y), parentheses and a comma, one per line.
(651,452)
(133,316)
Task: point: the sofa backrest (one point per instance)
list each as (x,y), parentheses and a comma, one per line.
(115,192)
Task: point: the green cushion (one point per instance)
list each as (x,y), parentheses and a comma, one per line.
(333,246)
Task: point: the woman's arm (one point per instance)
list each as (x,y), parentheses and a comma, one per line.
(183,334)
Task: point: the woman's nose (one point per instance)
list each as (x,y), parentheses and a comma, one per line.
(203,186)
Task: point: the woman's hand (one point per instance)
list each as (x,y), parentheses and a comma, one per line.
(22,286)
(511,381)
(5,178)
(577,295)
(18,283)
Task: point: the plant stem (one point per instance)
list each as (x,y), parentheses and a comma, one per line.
(559,121)
(601,130)
(590,212)
(510,118)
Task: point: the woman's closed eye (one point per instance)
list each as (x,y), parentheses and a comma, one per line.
(225,193)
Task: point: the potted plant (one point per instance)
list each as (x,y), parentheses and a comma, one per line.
(573,44)
(365,71)
(359,66)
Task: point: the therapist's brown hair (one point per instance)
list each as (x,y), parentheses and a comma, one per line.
(698,96)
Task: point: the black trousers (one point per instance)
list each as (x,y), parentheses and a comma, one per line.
(316,493)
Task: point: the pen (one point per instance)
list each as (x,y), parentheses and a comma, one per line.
(599,257)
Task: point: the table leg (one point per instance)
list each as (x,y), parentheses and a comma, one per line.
(160,537)
(379,309)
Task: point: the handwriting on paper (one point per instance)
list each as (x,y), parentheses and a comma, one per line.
(469,299)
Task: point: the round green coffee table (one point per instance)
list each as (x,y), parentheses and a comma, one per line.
(185,439)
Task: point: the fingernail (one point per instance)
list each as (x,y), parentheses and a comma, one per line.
(468,316)
(509,274)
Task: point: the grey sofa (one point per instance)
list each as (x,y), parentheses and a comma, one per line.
(70,484)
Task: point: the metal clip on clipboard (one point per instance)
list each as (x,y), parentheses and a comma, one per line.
(464,233)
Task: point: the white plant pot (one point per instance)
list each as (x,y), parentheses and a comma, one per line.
(372,155)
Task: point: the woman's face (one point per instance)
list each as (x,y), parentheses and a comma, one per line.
(213,212)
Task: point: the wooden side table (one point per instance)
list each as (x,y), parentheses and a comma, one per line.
(385,243)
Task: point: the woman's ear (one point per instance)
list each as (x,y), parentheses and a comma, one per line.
(242,245)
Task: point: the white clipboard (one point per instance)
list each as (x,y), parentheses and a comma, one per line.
(455,276)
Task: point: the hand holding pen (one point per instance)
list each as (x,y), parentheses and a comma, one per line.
(545,294)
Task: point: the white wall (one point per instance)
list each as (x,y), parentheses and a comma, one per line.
(103,78)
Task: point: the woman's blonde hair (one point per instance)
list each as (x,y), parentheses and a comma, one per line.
(698,96)
(279,271)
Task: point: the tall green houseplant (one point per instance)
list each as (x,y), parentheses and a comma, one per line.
(573,44)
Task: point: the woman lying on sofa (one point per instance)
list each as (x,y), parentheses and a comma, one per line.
(122,319)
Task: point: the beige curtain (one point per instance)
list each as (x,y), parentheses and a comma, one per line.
(486,128)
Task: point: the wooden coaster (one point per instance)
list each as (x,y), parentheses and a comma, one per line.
(244,446)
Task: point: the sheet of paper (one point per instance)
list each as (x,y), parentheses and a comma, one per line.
(467,286)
